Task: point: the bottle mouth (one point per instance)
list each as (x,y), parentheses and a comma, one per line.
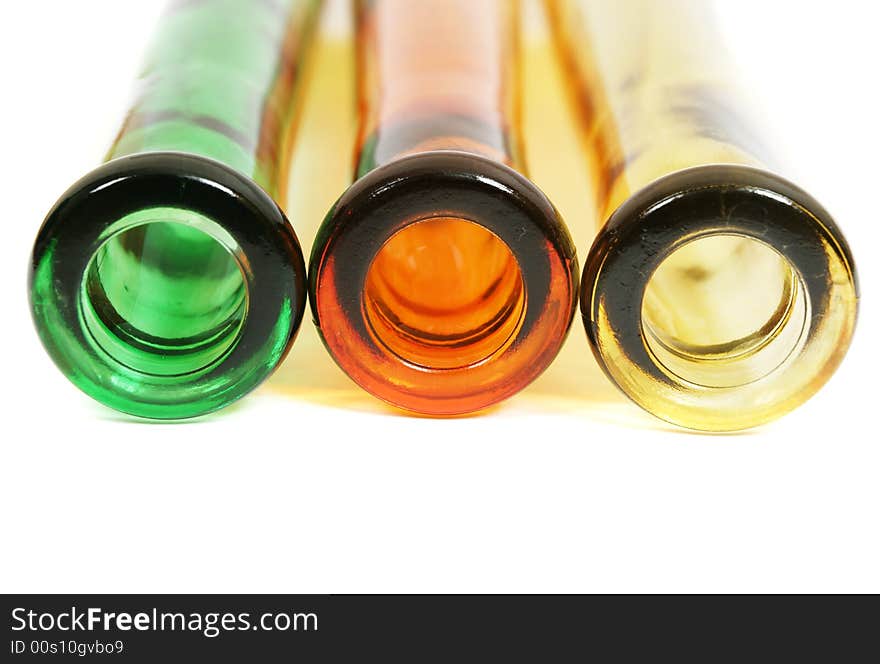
(444,293)
(719,297)
(443,282)
(164,296)
(723,311)
(166,285)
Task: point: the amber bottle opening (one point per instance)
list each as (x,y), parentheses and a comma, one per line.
(746,295)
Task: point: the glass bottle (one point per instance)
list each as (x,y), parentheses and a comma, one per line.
(442,281)
(717,295)
(167,282)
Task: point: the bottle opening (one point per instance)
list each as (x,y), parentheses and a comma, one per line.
(444,293)
(164,297)
(723,311)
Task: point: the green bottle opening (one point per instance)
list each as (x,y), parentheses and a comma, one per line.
(163,296)
(167,285)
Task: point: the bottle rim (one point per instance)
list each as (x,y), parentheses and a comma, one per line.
(707,202)
(430,185)
(235,212)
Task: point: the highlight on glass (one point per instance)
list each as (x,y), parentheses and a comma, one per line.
(167,282)
(718,295)
(442,281)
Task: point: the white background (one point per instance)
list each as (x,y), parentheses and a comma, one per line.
(309,485)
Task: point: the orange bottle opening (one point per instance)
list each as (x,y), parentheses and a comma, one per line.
(444,293)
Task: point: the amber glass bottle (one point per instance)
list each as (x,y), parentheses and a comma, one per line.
(718,295)
(443,280)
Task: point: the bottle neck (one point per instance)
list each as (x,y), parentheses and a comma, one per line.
(434,77)
(655,91)
(234,105)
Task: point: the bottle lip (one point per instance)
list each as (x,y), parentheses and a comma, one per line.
(416,188)
(705,201)
(238,214)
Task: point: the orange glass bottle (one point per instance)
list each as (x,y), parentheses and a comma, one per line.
(442,281)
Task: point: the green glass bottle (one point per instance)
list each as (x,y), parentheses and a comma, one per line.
(167,282)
